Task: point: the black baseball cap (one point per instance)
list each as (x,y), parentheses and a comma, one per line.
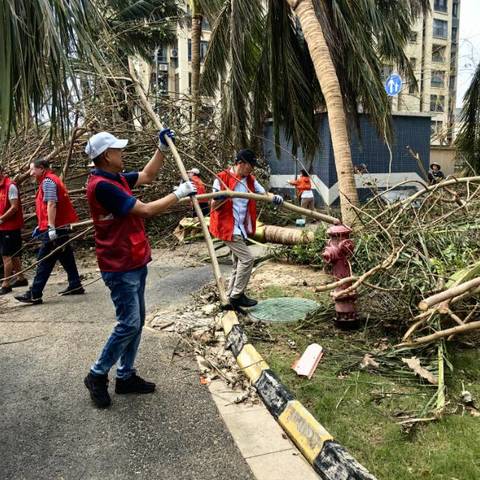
(248,156)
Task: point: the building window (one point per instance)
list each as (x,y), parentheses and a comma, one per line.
(438,53)
(162,55)
(454,34)
(413,37)
(440,5)
(162,83)
(451,85)
(177,84)
(436,127)
(205,24)
(438,78)
(455,10)
(203,50)
(440,28)
(437,103)
(190,83)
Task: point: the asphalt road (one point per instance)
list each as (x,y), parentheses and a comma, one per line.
(48,426)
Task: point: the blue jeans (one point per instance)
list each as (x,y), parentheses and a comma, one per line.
(64,256)
(127,290)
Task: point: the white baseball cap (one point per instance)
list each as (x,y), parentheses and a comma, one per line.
(102,141)
(195,171)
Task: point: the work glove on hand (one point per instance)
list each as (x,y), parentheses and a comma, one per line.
(162,141)
(277,200)
(186,189)
(52,234)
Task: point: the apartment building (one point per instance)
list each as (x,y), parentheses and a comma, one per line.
(433,52)
(171,68)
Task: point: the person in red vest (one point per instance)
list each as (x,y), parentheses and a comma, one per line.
(55,214)
(234,219)
(303,187)
(123,252)
(11,223)
(194,176)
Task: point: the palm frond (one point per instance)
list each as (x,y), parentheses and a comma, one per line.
(40,40)
(468,139)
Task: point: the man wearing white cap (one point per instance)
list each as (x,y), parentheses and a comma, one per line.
(123,253)
(194,176)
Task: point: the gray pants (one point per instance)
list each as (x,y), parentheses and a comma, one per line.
(242,266)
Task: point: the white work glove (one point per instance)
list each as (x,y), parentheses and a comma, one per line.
(52,234)
(186,189)
(277,200)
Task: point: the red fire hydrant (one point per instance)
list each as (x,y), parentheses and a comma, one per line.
(337,253)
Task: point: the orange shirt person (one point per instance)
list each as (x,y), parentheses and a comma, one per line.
(303,187)
(194,177)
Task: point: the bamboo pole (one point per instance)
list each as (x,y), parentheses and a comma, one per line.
(449,294)
(208,239)
(442,334)
(268,198)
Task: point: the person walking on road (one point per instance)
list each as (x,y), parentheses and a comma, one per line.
(55,214)
(123,252)
(234,219)
(303,187)
(194,176)
(11,223)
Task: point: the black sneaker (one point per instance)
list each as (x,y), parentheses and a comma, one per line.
(242,301)
(5,290)
(27,298)
(19,283)
(248,302)
(73,291)
(133,384)
(98,387)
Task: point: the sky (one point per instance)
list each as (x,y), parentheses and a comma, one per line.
(469,45)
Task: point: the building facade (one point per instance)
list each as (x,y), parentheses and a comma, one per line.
(433,53)
(171,72)
(378,166)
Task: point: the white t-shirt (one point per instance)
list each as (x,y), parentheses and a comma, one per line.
(307,194)
(12,192)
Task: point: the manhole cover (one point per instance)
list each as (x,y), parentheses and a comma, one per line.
(283,309)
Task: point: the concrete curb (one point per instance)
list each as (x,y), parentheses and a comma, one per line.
(328,458)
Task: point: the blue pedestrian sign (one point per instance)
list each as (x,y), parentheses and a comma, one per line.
(393,85)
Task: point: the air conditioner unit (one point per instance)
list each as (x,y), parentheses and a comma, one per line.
(163,67)
(174,53)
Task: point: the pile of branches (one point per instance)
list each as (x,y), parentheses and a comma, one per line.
(118,111)
(410,250)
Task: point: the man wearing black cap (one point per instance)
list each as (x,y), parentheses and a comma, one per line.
(234,219)
(435,174)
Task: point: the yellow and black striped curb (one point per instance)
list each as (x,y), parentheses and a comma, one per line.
(328,458)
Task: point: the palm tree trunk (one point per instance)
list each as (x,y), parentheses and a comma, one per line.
(337,119)
(197,18)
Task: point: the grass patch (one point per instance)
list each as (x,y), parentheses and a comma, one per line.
(362,409)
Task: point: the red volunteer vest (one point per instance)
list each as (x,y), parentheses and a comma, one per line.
(65,212)
(15,222)
(302,184)
(221,218)
(197,181)
(121,242)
